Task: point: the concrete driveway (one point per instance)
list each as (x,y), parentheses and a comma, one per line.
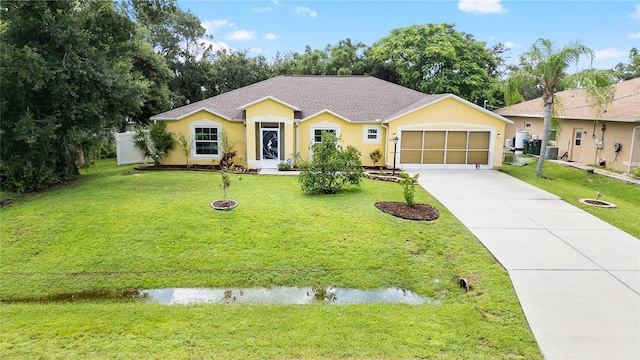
(577,277)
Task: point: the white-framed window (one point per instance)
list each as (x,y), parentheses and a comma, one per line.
(205,141)
(317,133)
(371,134)
(527,125)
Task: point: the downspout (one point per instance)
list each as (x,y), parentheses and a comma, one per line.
(296,123)
(386,142)
(246,147)
(633,142)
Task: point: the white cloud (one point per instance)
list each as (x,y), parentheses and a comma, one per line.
(304,11)
(636,14)
(217,45)
(481,6)
(211,26)
(511,44)
(634,35)
(270,36)
(256,50)
(262,9)
(609,53)
(276,2)
(241,35)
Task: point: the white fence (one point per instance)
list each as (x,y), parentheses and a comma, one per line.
(126,153)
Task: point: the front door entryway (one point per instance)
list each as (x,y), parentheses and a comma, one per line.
(577,144)
(270,148)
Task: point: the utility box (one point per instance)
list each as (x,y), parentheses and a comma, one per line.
(552,152)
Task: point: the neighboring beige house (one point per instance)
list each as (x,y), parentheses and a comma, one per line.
(270,120)
(612,139)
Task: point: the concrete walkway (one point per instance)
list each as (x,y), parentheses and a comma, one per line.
(577,277)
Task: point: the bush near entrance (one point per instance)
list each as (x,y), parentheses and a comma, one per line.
(331,167)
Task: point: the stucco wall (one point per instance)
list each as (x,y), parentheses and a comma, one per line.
(235,131)
(269,111)
(349,133)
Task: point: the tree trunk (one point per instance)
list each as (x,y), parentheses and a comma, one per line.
(548,111)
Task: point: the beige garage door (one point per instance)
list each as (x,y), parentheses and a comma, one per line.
(452,149)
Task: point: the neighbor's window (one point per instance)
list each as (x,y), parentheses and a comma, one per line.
(317,134)
(206,140)
(371,134)
(527,125)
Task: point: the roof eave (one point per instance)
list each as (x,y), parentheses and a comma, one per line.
(158,117)
(326,111)
(243,107)
(448,96)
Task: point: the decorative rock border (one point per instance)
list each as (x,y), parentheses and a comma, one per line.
(374,175)
(598,203)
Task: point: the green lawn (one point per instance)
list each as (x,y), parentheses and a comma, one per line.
(574,184)
(113,231)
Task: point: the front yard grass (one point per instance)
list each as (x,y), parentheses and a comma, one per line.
(574,184)
(117,229)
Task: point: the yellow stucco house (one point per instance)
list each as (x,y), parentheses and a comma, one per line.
(273,119)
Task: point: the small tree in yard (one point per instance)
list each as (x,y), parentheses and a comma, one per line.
(331,166)
(185,146)
(408,182)
(375,156)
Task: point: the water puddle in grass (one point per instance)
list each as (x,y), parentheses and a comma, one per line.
(280,295)
(284,295)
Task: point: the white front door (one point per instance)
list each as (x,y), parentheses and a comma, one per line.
(270,148)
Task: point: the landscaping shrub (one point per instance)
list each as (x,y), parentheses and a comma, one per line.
(375,156)
(331,166)
(154,142)
(408,183)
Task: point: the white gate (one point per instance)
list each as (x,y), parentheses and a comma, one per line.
(126,152)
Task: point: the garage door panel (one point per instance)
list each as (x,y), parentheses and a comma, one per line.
(433,157)
(479,140)
(410,156)
(434,139)
(456,157)
(457,140)
(457,148)
(411,140)
(478,157)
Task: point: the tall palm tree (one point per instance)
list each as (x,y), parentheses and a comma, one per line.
(547,70)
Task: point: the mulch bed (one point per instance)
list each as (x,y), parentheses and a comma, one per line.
(422,212)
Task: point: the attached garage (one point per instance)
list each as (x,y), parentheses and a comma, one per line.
(447,133)
(445,149)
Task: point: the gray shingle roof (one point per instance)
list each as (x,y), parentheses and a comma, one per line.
(356,98)
(624,107)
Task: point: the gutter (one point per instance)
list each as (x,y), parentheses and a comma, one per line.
(386,142)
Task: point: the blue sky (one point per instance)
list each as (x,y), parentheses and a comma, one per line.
(610,28)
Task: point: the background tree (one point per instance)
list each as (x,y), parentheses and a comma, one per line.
(177,36)
(630,70)
(347,58)
(435,58)
(331,166)
(67,75)
(545,67)
(233,70)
